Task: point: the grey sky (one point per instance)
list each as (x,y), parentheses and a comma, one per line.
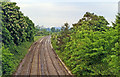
(55,13)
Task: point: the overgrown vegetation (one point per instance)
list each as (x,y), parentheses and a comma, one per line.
(16,28)
(18,33)
(37,37)
(90,47)
(12,56)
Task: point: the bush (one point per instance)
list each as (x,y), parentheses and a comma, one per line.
(92,48)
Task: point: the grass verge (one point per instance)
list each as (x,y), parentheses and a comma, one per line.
(12,56)
(37,38)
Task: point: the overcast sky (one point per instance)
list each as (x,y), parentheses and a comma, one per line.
(56,12)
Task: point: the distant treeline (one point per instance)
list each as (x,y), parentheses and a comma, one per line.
(42,31)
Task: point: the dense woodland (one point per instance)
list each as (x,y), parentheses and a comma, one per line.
(90,47)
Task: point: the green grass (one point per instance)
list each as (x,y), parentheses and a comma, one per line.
(12,56)
(37,38)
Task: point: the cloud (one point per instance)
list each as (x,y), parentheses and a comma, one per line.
(57,13)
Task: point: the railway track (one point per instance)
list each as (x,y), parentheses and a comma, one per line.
(42,60)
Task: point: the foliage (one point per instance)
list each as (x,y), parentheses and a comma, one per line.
(90,47)
(53,29)
(7,61)
(92,21)
(17,28)
(12,56)
(63,37)
(18,33)
(37,38)
(42,31)
(30,30)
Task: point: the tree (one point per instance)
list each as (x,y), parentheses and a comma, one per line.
(93,48)
(116,25)
(57,30)
(53,29)
(19,27)
(62,37)
(90,21)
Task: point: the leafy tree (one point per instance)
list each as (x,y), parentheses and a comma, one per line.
(90,47)
(16,29)
(42,31)
(53,29)
(90,21)
(57,30)
(116,25)
(62,37)
(7,63)
(19,27)
(30,30)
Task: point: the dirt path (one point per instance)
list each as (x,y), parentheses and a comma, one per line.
(42,60)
